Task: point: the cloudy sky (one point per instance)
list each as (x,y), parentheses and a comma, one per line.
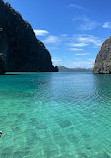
(72,30)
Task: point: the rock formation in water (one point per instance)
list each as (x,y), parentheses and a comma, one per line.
(20,50)
(103,60)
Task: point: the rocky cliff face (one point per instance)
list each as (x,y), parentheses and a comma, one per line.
(103,59)
(20,50)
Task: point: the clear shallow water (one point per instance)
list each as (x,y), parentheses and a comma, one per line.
(55,115)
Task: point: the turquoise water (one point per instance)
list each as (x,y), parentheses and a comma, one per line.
(55,115)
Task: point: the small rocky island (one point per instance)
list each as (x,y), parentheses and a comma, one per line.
(20,50)
(103,60)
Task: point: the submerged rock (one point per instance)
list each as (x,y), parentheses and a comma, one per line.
(19,46)
(103,60)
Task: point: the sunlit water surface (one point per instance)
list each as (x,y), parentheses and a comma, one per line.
(55,115)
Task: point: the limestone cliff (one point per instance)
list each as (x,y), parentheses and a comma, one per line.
(20,50)
(103,60)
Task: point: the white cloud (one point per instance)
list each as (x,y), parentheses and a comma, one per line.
(83,41)
(83,64)
(79,44)
(75,49)
(92,60)
(80,63)
(89,39)
(52,39)
(82,54)
(86,23)
(56,61)
(76,6)
(41,32)
(64,35)
(107,25)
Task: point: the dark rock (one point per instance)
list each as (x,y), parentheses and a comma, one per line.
(103,60)
(21,50)
(2,64)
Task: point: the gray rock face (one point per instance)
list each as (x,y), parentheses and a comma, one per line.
(21,50)
(103,60)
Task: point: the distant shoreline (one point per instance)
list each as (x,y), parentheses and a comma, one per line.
(65,69)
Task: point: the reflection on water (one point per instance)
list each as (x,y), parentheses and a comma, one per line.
(55,115)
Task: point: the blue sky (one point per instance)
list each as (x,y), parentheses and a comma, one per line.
(72,30)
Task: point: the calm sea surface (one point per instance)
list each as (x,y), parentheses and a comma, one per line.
(55,115)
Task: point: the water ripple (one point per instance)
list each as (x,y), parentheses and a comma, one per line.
(55,115)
